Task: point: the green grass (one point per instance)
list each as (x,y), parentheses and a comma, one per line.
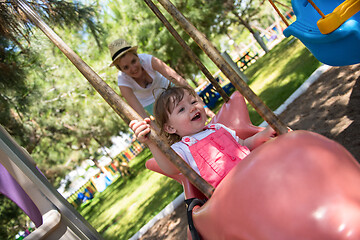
(128,204)
(276,75)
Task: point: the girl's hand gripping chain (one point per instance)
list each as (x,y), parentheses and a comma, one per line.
(141,129)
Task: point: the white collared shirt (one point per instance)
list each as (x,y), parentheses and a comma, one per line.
(146,96)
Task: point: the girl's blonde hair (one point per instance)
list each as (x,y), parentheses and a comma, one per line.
(165,104)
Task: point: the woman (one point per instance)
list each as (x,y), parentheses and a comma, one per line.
(142,76)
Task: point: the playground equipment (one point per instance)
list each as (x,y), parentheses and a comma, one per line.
(221,217)
(341,13)
(299,186)
(300,175)
(297,193)
(209,96)
(332,38)
(85,196)
(246,60)
(25,185)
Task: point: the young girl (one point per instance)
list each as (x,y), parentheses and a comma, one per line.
(211,150)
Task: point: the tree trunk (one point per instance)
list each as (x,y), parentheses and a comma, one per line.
(254,33)
(260,41)
(194,82)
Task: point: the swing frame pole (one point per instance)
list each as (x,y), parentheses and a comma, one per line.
(279,13)
(228,71)
(187,49)
(115,101)
(317,8)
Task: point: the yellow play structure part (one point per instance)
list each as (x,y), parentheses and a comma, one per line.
(340,14)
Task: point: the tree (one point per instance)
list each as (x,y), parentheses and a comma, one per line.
(244,12)
(12,218)
(134,21)
(55,110)
(30,101)
(17,58)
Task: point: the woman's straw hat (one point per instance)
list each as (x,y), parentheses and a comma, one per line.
(118,48)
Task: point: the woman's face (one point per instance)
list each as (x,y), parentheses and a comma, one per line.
(130,64)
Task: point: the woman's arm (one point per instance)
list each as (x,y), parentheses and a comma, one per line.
(167,72)
(141,130)
(132,100)
(175,78)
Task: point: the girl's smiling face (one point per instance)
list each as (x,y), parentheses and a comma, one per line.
(187,117)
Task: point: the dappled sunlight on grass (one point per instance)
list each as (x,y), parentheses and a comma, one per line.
(127,204)
(259,86)
(142,205)
(276,75)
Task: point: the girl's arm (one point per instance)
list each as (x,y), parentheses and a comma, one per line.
(132,100)
(161,159)
(141,130)
(259,138)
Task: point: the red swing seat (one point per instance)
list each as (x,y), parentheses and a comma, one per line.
(300,185)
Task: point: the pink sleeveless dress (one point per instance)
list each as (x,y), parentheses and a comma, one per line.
(216,154)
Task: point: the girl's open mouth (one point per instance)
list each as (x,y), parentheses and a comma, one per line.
(196,117)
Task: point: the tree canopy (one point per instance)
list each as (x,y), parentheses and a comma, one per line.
(44,107)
